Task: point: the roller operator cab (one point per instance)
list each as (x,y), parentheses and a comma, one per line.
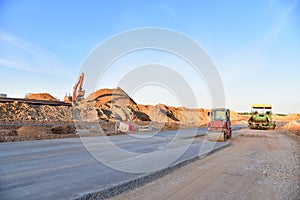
(219,127)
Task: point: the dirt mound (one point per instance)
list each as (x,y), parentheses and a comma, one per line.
(293,127)
(37,132)
(286,118)
(8,133)
(20,112)
(33,130)
(107,111)
(110,96)
(106,105)
(237,118)
(63,129)
(115,104)
(41,96)
(109,105)
(170,114)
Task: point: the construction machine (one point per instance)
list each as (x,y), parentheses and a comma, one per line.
(78,93)
(261,117)
(219,127)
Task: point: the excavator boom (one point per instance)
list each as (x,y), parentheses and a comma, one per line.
(80,91)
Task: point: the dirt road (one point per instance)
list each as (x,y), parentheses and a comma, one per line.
(257,165)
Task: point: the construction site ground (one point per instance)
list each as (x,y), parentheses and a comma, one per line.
(258,164)
(40,116)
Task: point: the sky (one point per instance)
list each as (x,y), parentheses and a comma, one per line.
(255,46)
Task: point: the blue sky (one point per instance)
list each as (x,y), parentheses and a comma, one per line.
(255,45)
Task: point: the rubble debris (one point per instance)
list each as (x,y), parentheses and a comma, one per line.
(20,112)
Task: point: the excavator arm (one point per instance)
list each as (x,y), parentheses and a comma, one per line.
(78,83)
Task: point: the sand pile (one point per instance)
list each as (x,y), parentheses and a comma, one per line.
(238,119)
(41,96)
(110,96)
(116,109)
(115,104)
(106,105)
(293,127)
(163,113)
(286,118)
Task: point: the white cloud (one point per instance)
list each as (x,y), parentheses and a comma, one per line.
(26,56)
(16,42)
(16,65)
(279,25)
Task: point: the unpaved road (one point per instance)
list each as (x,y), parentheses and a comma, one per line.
(257,165)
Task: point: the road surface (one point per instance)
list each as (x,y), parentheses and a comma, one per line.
(257,165)
(60,169)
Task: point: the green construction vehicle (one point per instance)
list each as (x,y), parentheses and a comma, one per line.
(261,117)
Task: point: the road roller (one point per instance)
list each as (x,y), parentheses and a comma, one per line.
(219,127)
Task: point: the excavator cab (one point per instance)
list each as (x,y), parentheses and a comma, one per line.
(78,94)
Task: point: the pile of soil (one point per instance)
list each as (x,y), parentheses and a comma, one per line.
(115,104)
(39,132)
(286,118)
(110,96)
(237,118)
(41,96)
(32,130)
(170,114)
(23,112)
(63,129)
(105,106)
(293,127)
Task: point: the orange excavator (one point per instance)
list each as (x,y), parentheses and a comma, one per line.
(78,95)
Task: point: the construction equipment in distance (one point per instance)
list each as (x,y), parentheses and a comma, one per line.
(261,117)
(219,127)
(78,94)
